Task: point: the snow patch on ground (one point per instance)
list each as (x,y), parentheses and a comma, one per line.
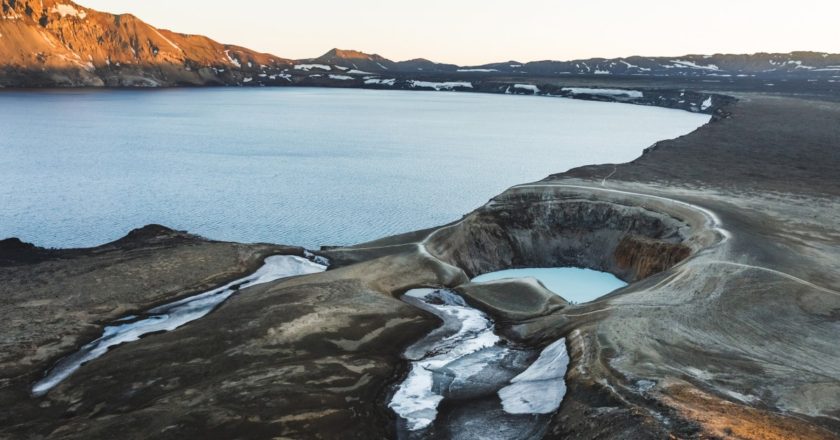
(384,82)
(341,77)
(530,87)
(603,92)
(233,60)
(68,10)
(308,67)
(170,316)
(693,65)
(478,70)
(706,104)
(358,72)
(167,40)
(440,85)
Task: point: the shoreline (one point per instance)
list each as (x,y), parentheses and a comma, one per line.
(664,315)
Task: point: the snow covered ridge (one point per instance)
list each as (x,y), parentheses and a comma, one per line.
(604,92)
(308,67)
(451,85)
(68,10)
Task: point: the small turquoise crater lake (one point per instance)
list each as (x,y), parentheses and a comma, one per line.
(573,284)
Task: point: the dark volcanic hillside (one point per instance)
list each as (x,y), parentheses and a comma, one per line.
(360,61)
(59,43)
(761,65)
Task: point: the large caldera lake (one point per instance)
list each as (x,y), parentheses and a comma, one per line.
(304,166)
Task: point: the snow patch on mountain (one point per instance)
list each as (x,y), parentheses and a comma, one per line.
(308,67)
(450,85)
(603,92)
(68,10)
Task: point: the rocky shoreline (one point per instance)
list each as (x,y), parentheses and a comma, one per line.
(727,235)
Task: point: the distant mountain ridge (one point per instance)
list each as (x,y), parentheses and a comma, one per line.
(57,43)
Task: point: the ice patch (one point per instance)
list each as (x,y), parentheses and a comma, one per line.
(540,388)
(415,400)
(170,316)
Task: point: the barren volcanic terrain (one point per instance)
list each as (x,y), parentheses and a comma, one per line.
(727,236)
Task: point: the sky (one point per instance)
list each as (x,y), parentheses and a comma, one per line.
(471,32)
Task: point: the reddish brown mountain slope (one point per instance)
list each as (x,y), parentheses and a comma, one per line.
(57,42)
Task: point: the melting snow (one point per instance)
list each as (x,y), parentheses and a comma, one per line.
(416,400)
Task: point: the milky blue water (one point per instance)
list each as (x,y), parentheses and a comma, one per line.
(301,166)
(573,284)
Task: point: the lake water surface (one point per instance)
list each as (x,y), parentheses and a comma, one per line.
(574,284)
(289,165)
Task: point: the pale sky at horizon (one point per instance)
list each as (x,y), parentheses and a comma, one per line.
(475,32)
